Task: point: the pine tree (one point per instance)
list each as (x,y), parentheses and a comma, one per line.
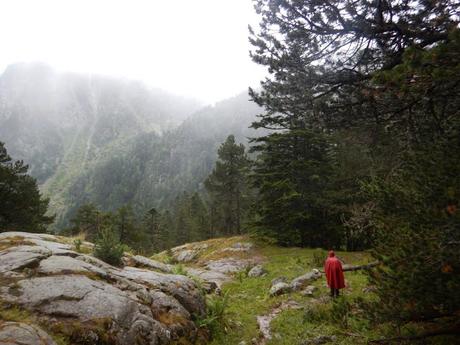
(127,227)
(199,218)
(90,220)
(391,69)
(227,186)
(22,207)
(154,229)
(292,175)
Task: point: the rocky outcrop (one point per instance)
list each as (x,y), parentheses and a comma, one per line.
(143,262)
(199,262)
(228,265)
(89,301)
(239,247)
(16,333)
(188,252)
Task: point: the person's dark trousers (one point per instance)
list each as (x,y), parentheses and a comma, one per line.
(334,292)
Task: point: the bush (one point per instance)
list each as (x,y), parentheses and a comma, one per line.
(108,247)
(77,243)
(216,313)
(179,269)
(341,310)
(318,258)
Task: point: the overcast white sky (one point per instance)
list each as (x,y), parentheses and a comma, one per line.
(197,48)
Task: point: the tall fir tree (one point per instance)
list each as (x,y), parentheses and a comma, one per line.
(228,188)
(390,69)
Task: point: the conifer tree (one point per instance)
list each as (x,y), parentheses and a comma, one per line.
(227,186)
(21,205)
(155,229)
(391,70)
(90,220)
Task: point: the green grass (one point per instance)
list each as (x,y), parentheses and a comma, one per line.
(248,297)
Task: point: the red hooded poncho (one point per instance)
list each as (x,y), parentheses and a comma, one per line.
(334,272)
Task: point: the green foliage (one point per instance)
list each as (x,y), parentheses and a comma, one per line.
(108,247)
(341,310)
(216,318)
(417,222)
(22,207)
(292,175)
(319,256)
(77,244)
(179,269)
(348,71)
(89,220)
(228,188)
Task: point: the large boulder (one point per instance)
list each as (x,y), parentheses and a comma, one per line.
(88,301)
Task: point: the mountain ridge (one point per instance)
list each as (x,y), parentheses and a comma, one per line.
(110,141)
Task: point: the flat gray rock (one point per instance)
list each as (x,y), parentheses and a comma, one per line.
(17,333)
(185,255)
(300,282)
(209,277)
(65,264)
(257,271)
(227,265)
(19,257)
(279,289)
(143,262)
(239,247)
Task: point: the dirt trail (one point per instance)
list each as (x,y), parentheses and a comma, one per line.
(263,321)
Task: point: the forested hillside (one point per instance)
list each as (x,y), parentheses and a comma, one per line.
(111,141)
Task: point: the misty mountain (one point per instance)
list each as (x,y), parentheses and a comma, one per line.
(111,141)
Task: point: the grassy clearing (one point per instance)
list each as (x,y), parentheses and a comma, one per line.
(248,297)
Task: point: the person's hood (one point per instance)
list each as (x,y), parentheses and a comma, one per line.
(331,254)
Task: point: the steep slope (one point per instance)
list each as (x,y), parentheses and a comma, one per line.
(110,141)
(51,119)
(150,170)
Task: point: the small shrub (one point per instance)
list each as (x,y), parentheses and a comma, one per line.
(341,310)
(319,313)
(179,269)
(216,313)
(77,244)
(318,257)
(108,248)
(169,258)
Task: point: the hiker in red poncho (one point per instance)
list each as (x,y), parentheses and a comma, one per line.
(334,274)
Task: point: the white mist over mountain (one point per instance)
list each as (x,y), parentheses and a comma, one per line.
(197,49)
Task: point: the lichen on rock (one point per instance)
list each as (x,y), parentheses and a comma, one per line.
(89,301)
